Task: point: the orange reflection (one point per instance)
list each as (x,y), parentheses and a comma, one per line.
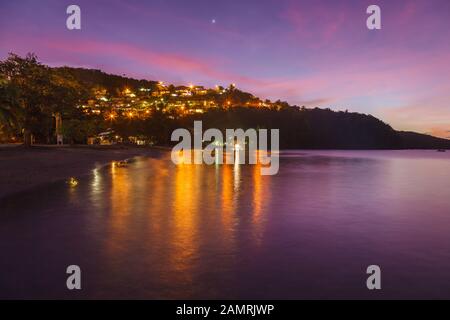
(120,193)
(165,214)
(228,203)
(120,209)
(259,198)
(156,201)
(185,217)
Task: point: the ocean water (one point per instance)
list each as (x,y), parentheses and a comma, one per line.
(153,230)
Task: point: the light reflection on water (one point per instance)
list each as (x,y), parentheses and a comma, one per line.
(156,230)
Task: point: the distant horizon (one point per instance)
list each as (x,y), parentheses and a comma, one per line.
(311,53)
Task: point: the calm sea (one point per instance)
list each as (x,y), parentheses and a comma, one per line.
(153,230)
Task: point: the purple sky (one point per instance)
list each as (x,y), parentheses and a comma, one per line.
(313,53)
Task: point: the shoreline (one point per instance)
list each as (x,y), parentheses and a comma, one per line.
(25,168)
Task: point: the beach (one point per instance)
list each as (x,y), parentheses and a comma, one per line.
(24,168)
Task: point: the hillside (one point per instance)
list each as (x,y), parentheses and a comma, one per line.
(299,127)
(307,128)
(92,78)
(413,140)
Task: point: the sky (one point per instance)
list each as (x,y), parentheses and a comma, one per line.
(314,53)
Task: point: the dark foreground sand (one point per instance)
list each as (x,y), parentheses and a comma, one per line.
(24,168)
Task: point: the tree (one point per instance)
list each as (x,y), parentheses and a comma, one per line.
(8,109)
(40,93)
(26,76)
(78,130)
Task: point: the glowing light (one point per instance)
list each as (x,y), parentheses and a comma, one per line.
(73,182)
(121,164)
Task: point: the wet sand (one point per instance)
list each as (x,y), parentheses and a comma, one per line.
(23,168)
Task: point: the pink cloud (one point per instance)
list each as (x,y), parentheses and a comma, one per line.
(303,20)
(152,59)
(427,115)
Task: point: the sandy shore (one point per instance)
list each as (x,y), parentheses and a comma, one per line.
(24,168)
